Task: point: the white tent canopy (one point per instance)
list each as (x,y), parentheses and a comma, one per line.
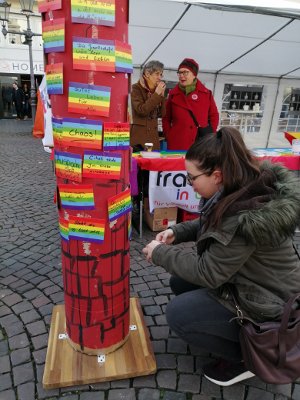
(255,38)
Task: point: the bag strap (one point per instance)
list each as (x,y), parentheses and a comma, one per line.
(194,118)
(283,328)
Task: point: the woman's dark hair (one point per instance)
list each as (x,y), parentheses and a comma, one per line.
(225,150)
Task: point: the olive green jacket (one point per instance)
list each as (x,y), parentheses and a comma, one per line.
(252,249)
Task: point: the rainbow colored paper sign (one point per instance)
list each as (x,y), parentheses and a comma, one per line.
(116,136)
(77,197)
(123,57)
(64,228)
(48,5)
(93,54)
(93,12)
(80,132)
(54,35)
(89,99)
(54,78)
(87,229)
(57,126)
(101,165)
(119,205)
(68,166)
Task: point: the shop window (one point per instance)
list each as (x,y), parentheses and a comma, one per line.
(242,107)
(289,119)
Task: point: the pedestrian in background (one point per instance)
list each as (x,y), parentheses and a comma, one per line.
(148,104)
(18,100)
(190,104)
(248,214)
(27,106)
(7,95)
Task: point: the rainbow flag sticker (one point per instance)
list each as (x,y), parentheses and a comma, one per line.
(119,205)
(48,5)
(97,12)
(68,165)
(77,197)
(101,165)
(54,78)
(81,132)
(123,57)
(89,99)
(64,228)
(93,54)
(129,227)
(87,229)
(54,35)
(116,136)
(57,130)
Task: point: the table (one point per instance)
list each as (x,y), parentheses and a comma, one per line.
(171,161)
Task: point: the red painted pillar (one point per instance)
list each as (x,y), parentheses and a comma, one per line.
(95,271)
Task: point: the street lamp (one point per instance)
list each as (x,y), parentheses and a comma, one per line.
(26,9)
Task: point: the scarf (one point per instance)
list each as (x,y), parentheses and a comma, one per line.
(189,88)
(205,207)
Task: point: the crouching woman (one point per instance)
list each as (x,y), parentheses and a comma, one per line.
(248,214)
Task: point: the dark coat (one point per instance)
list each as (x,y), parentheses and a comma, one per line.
(252,249)
(178,125)
(18,98)
(145,111)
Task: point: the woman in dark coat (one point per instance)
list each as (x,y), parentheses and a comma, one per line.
(148,104)
(188,96)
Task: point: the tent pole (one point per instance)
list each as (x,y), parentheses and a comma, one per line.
(273,113)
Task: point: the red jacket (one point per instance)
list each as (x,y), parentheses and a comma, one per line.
(178,125)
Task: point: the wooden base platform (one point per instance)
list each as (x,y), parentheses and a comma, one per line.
(68,367)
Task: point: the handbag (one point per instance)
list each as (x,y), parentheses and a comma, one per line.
(201,131)
(271,350)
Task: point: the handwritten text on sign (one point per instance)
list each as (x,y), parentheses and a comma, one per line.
(119,205)
(81,132)
(95,12)
(77,197)
(116,136)
(93,54)
(86,229)
(54,78)
(102,166)
(68,166)
(89,99)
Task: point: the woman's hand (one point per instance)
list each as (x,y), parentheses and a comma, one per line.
(160,88)
(166,236)
(149,249)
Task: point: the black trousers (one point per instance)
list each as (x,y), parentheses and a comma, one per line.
(198,319)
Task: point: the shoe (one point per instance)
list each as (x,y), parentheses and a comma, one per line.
(25,117)
(226,373)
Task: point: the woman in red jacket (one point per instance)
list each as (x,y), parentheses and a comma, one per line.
(189,104)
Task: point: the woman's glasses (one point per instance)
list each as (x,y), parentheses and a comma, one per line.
(183,73)
(191,179)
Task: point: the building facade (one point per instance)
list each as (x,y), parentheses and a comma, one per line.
(14,57)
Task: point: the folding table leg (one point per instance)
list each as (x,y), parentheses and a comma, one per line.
(141,217)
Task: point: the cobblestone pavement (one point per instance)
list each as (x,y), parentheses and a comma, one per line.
(31,284)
